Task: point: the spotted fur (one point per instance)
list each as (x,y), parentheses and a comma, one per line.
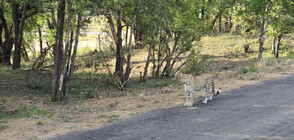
(194,84)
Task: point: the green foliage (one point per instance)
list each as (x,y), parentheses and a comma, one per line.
(31,112)
(3,124)
(39,85)
(102,116)
(196,65)
(290,55)
(238,52)
(250,67)
(140,106)
(40,122)
(270,62)
(88,57)
(152,83)
(112,118)
(87,85)
(24,112)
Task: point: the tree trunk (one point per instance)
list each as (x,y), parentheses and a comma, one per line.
(138,34)
(18,31)
(40,40)
(57,96)
(148,57)
(156,74)
(166,70)
(111,27)
(15,17)
(220,22)
(119,51)
(25,55)
(202,10)
(7,44)
(127,32)
(228,24)
(70,48)
(117,39)
(128,68)
(6,51)
(273,45)
(277,46)
(1,43)
(261,39)
(73,58)
(214,20)
(66,48)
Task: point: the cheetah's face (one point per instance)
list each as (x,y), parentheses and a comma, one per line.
(186,79)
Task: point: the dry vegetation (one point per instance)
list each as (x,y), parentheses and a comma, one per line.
(27,113)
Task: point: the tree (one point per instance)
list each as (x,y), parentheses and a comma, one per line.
(120,14)
(19,16)
(56,94)
(65,55)
(267,11)
(177,30)
(6,43)
(281,26)
(116,33)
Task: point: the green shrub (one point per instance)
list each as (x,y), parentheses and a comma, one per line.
(39,85)
(31,112)
(3,125)
(140,106)
(112,118)
(40,122)
(24,112)
(196,65)
(290,55)
(238,52)
(249,69)
(152,83)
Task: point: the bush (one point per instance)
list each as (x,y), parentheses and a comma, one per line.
(252,67)
(24,112)
(238,52)
(39,85)
(290,55)
(151,83)
(195,65)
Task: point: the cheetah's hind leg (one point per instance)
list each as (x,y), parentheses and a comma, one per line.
(204,101)
(210,97)
(206,98)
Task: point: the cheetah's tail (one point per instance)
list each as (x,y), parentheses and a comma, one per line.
(213,91)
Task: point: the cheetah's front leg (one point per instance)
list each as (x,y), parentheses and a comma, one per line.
(188,98)
(191,99)
(207,95)
(187,94)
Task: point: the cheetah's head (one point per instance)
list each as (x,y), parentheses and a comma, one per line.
(186,79)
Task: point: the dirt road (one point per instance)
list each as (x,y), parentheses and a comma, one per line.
(260,111)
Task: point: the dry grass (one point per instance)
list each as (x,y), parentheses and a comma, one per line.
(27,113)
